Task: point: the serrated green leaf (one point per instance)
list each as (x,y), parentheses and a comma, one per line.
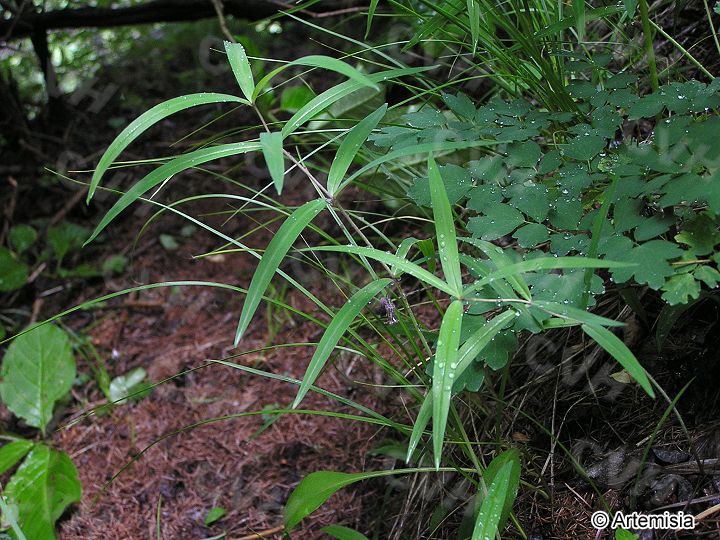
(445,229)
(45,484)
(446,364)
(496,221)
(531,235)
(276,250)
(168,170)
(680,289)
(350,146)
(11,453)
(272,148)
(21,237)
(584,147)
(147,120)
(240,66)
(619,351)
(335,330)
(38,369)
(650,260)
(13,273)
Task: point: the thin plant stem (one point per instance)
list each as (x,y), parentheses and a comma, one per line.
(649,50)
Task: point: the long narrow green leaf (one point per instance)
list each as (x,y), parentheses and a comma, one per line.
(423,148)
(272,147)
(274,254)
(394,261)
(327,98)
(446,356)
(546,263)
(371,13)
(466,356)
(579,14)
(486,525)
(148,119)
(501,260)
(323,62)
(510,457)
(619,351)
(166,171)
(350,147)
(575,314)
(241,69)
(335,330)
(445,229)
(474,15)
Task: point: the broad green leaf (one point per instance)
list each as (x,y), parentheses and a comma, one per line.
(681,289)
(12,452)
(394,261)
(323,62)
(13,273)
(445,229)
(350,146)
(216,513)
(276,250)
(622,534)
(45,484)
(146,121)
(584,147)
(66,237)
(343,533)
(168,170)
(335,330)
(314,490)
(22,237)
(38,369)
(649,260)
(272,148)
(619,351)
(295,98)
(499,491)
(241,69)
(444,371)
(338,92)
(124,385)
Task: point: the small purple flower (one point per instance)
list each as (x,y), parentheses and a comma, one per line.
(389,307)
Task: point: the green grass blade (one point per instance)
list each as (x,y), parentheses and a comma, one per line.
(510,457)
(274,254)
(619,351)
(445,229)
(322,62)
(486,525)
(241,69)
(272,147)
(466,356)
(350,146)
(336,93)
(416,149)
(166,171)
(474,15)
(394,261)
(572,313)
(545,263)
(371,13)
(446,355)
(423,417)
(578,7)
(148,119)
(335,330)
